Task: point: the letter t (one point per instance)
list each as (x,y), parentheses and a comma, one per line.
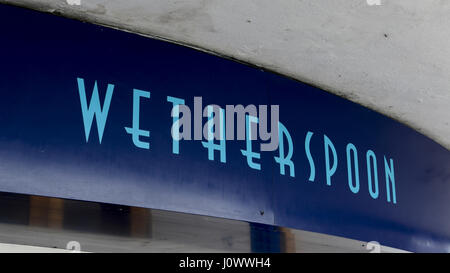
(135,131)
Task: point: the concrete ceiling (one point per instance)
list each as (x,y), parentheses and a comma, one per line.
(393,58)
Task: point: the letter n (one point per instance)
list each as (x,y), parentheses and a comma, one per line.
(390,180)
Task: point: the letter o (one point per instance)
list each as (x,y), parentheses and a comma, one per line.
(353,188)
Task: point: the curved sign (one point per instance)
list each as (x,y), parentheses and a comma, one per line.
(96,114)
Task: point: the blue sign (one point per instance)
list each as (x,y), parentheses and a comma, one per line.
(86,113)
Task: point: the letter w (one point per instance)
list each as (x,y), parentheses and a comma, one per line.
(94,109)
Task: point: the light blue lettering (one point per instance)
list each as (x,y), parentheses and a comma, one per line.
(135,131)
(210,145)
(329,171)
(370,154)
(94,109)
(282,159)
(312,167)
(176,125)
(248,139)
(350,148)
(389,172)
